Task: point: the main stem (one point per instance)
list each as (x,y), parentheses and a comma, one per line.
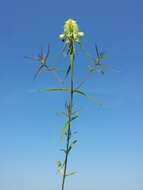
(69,114)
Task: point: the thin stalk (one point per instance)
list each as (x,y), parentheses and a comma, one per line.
(69,114)
(84,80)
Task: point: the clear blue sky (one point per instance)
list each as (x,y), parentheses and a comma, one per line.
(109,153)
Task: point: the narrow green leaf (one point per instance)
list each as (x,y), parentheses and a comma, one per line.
(72,145)
(58,164)
(64,130)
(64,47)
(74,117)
(80,92)
(87,96)
(76,113)
(96,70)
(67,72)
(72,62)
(63,150)
(48,52)
(60,167)
(38,71)
(56,90)
(68,108)
(50,69)
(62,114)
(72,173)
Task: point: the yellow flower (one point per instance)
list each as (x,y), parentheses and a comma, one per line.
(71,32)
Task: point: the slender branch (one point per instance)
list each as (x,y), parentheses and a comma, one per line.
(87,54)
(84,80)
(57,77)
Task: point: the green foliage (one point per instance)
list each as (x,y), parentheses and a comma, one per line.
(65,151)
(92,99)
(65,130)
(72,145)
(80,92)
(55,90)
(74,117)
(70,174)
(68,109)
(60,167)
(68,71)
(96,66)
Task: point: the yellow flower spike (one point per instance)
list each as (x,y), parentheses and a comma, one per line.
(71,32)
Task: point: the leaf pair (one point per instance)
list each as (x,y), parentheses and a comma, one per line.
(67,90)
(66,126)
(60,167)
(63,90)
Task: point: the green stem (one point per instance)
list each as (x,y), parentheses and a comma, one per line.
(69,114)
